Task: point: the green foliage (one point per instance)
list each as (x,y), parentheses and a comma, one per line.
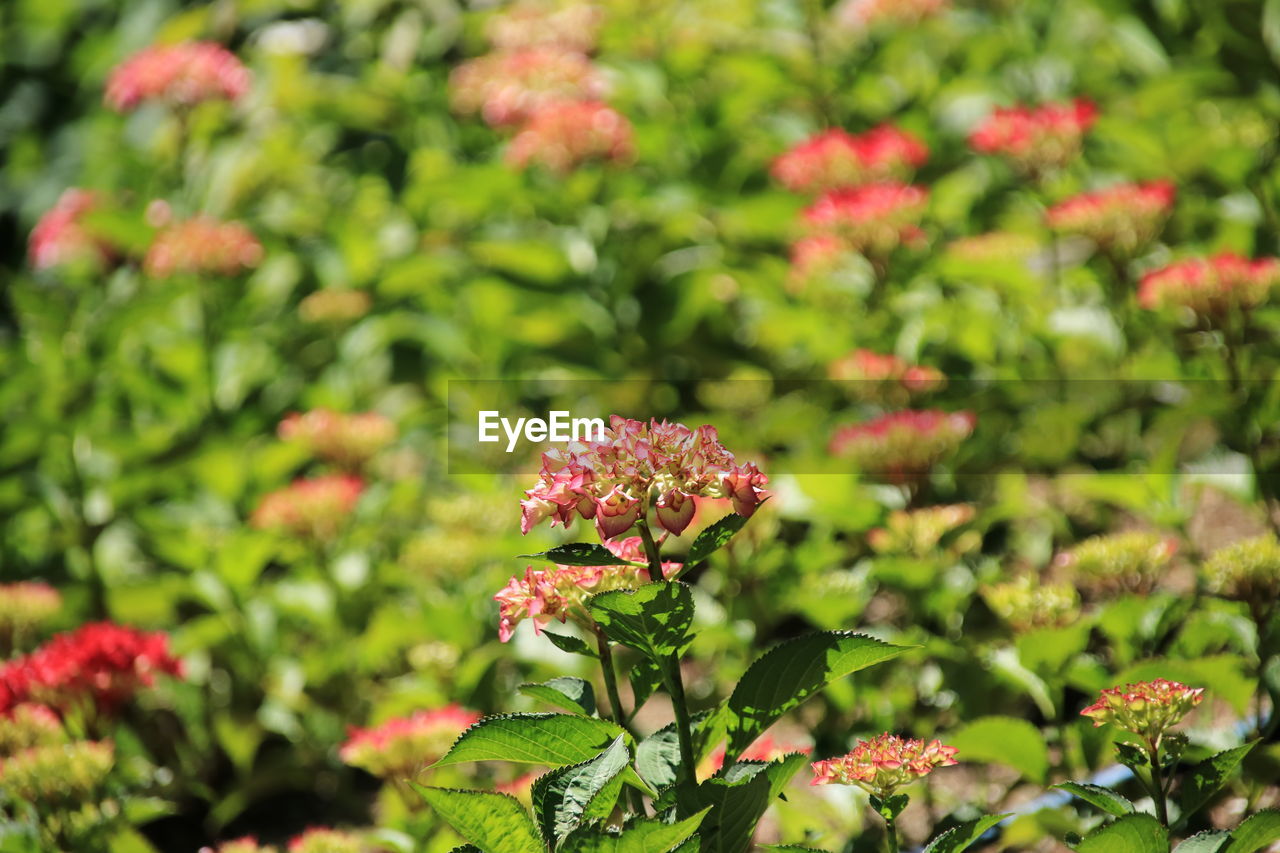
(567,693)
(1004,740)
(495,823)
(580,554)
(565,799)
(1135,833)
(1202,781)
(964,836)
(714,538)
(1103,798)
(639,835)
(1256,832)
(555,740)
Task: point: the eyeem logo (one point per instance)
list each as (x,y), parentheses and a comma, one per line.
(559,427)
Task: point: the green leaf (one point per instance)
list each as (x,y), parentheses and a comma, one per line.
(1004,740)
(645,677)
(738,799)
(1271,29)
(964,836)
(564,799)
(581,554)
(1256,833)
(1135,833)
(1203,781)
(714,538)
(552,739)
(574,695)
(654,619)
(791,672)
(572,645)
(658,757)
(496,823)
(1103,798)
(1209,841)
(645,835)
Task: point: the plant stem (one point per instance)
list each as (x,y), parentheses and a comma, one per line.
(891,837)
(1157,782)
(651,551)
(610,677)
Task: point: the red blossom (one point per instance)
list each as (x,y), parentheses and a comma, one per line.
(884,763)
(62,237)
(203,245)
(400,745)
(837,160)
(1036,139)
(179,75)
(871,371)
(861,14)
(1211,286)
(312,508)
(903,446)
(1146,708)
(1122,218)
(560,137)
(873,220)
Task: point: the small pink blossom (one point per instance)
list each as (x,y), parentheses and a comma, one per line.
(902,447)
(346,440)
(321,839)
(837,160)
(401,745)
(202,245)
(179,75)
(884,763)
(509,88)
(1212,286)
(543,24)
(873,220)
(1036,139)
(873,375)
(560,137)
(1147,708)
(313,509)
(1123,218)
(62,237)
(863,14)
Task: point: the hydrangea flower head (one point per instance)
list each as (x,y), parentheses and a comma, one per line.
(321,839)
(24,607)
(860,15)
(884,763)
(202,245)
(1211,287)
(178,75)
(57,774)
(901,447)
(62,236)
(637,465)
(510,87)
(872,220)
(560,137)
(1036,139)
(313,508)
(918,532)
(1147,708)
(529,24)
(345,440)
(1247,571)
(1024,604)
(838,160)
(1120,562)
(400,746)
(1122,219)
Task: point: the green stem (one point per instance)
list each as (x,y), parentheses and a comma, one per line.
(610,678)
(650,551)
(891,836)
(1157,782)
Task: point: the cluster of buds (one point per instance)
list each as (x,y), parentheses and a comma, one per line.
(539,23)
(1246,571)
(321,839)
(902,447)
(101,661)
(872,220)
(400,746)
(837,160)
(1211,287)
(62,237)
(884,763)
(614,480)
(560,593)
(508,88)
(29,725)
(1121,219)
(858,15)
(560,137)
(1036,140)
(1119,562)
(24,607)
(883,376)
(1025,604)
(334,306)
(1148,708)
(202,245)
(918,532)
(348,441)
(57,774)
(765,748)
(178,75)
(313,509)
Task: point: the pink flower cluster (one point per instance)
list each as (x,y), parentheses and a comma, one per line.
(1211,287)
(348,441)
(560,593)
(837,160)
(872,220)
(615,480)
(322,839)
(872,374)
(62,237)
(202,245)
(179,75)
(508,88)
(101,661)
(541,24)
(558,137)
(863,14)
(312,509)
(884,763)
(1036,139)
(400,746)
(1121,219)
(1147,708)
(25,606)
(901,447)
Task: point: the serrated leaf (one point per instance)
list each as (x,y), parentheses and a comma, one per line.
(1203,781)
(572,645)
(574,695)
(581,554)
(563,799)
(1135,833)
(1209,841)
(495,823)
(964,836)
(658,757)
(791,672)
(738,799)
(555,740)
(1103,798)
(1004,740)
(714,538)
(1256,833)
(655,619)
(645,678)
(645,835)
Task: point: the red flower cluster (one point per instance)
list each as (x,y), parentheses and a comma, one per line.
(1036,139)
(883,764)
(870,372)
(536,23)
(345,440)
(322,839)
(179,75)
(902,447)
(508,88)
(1147,708)
(311,509)
(101,661)
(559,137)
(1211,287)
(203,245)
(403,744)
(62,237)
(872,220)
(836,160)
(614,480)
(1121,219)
(863,14)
